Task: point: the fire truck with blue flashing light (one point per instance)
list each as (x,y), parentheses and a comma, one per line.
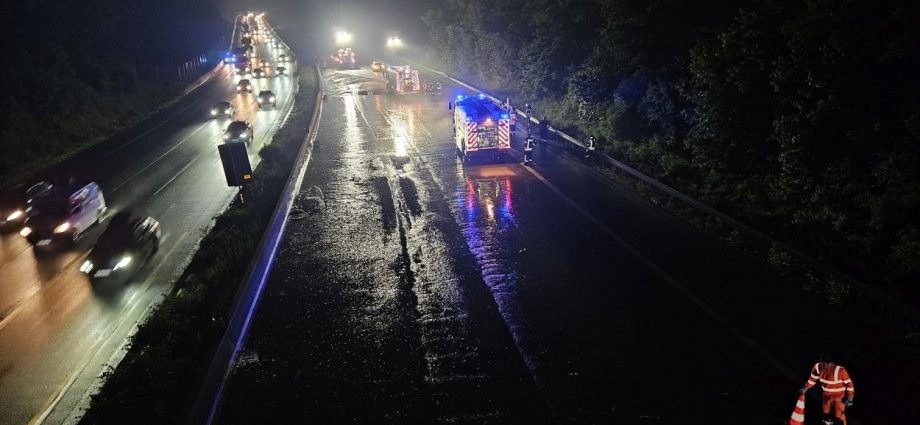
(481,127)
(402,79)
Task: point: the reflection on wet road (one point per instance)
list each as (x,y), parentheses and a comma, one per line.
(418,289)
(58,330)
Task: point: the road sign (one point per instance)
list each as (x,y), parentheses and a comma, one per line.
(235,159)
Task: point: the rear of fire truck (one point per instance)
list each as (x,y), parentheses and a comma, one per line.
(481,128)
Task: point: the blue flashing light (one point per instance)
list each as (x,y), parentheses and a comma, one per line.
(482,96)
(461,97)
(504,116)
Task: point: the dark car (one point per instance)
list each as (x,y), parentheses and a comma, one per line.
(266,97)
(131,239)
(222,109)
(280,71)
(244,86)
(258,73)
(238,131)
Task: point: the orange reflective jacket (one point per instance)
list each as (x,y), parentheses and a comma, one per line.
(835,381)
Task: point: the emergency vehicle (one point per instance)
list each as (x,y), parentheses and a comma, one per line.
(344,58)
(480,126)
(402,79)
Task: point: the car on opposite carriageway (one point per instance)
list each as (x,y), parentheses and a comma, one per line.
(63,213)
(223,109)
(266,97)
(244,86)
(130,240)
(238,131)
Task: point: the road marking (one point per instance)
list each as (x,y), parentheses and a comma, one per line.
(110,332)
(187,138)
(684,290)
(139,136)
(174,177)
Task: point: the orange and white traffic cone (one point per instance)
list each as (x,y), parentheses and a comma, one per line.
(798,414)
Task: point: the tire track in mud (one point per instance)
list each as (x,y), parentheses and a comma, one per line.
(474,370)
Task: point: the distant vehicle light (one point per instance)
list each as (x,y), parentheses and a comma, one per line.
(63,227)
(25,232)
(244,136)
(214,112)
(271,99)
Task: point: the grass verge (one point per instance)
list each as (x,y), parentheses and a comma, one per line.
(158,379)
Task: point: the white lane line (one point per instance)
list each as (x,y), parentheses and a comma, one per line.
(109,333)
(161,156)
(179,173)
(140,136)
(684,290)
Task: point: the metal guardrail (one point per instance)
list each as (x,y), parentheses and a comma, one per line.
(749,231)
(207,402)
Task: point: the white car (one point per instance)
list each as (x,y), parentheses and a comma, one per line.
(62,214)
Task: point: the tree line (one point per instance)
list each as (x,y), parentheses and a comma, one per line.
(800,117)
(78,69)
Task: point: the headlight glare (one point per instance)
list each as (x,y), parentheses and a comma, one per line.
(16,214)
(87,266)
(63,227)
(25,231)
(123,262)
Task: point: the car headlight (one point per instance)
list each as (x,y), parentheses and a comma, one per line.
(259,100)
(214,112)
(63,227)
(86,267)
(271,99)
(226,137)
(243,136)
(26,231)
(16,214)
(123,262)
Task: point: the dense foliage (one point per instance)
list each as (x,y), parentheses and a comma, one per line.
(77,70)
(798,116)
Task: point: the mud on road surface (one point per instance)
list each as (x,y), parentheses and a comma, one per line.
(424,290)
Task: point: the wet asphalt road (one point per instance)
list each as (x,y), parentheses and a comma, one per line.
(57,329)
(414,289)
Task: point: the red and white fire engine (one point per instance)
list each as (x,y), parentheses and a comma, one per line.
(344,58)
(481,127)
(402,79)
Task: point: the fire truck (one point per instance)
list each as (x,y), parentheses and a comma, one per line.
(480,126)
(402,79)
(344,58)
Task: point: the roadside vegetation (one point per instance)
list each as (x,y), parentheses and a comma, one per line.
(158,379)
(78,71)
(798,117)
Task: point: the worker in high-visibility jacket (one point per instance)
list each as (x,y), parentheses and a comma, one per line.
(836,386)
(529,143)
